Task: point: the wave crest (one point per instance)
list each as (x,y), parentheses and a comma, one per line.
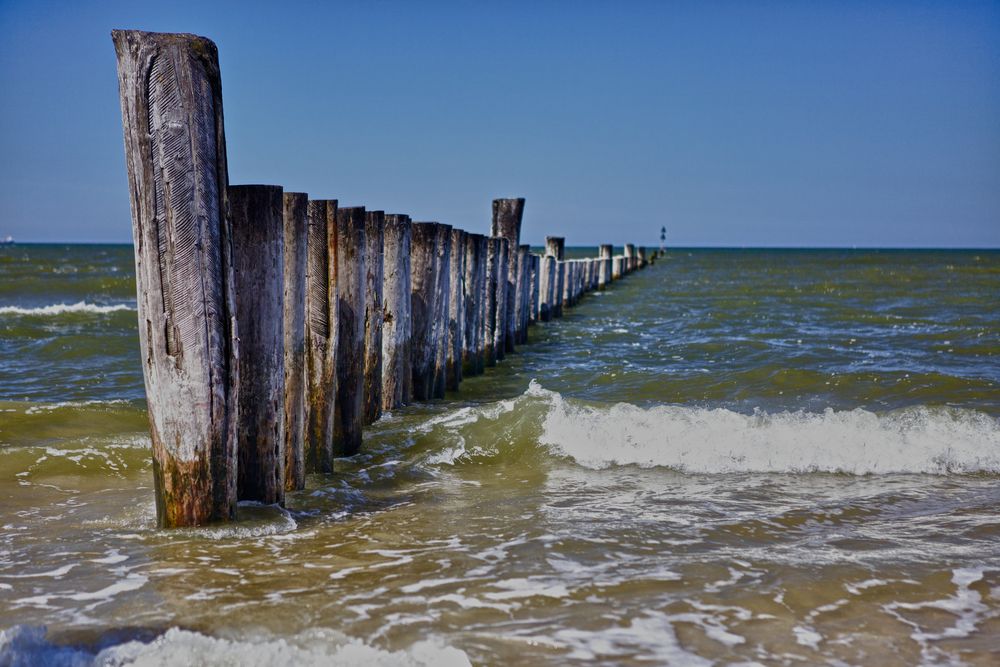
(64,308)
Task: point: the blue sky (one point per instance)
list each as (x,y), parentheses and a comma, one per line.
(767,123)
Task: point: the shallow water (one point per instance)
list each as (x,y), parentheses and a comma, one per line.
(780,457)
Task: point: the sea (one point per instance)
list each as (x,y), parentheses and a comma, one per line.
(731,457)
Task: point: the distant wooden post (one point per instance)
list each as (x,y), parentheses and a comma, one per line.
(257,213)
(534,287)
(397,378)
(507,214)
(548,288)
(567,283)
(523,292)
(475,275)
(503,294)
(374,268)
(321,333)
(171,100)
(456,310)
(442,306)
(630,258)
(423,259)
(604,273)
(556,247)
(351,283)
(643,259)
(618,267)
(296,226)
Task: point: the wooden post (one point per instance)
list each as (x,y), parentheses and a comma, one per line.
(423,258)
(397,378)
(475,275)
(548,288)
(523,292)
(618,267)
(175,153)
(490,302)
(296,226)
(442,305)
(630,258)
(456,310)
(257,213)
(507,214)
(503,294)
(374,268)
(566,299)
(321,333)
(351,282)
(556,247)
(642,257)
(534,290)
(604,273)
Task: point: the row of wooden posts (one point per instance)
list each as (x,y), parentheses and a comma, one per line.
(275,327)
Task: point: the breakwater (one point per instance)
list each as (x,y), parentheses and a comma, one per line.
(273,326)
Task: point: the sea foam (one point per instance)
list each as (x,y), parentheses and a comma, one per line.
(63,308)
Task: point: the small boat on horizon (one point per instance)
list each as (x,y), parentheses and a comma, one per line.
(7,240)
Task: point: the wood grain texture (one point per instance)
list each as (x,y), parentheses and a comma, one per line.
(456,310)
(296,233)
(423,258)
(506,224)
(257,213)
(374,313)
(175,150)
(500,302)
(475,285)
(536,276)
(321,333)
(442,305)
(397,378)
(490,301)
(348,418)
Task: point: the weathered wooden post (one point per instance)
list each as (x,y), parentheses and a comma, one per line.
(351,283)
(556,247)
(618,267)
(296,227)
(321,332)
(475,275)
(642,257)
(175,152)
(397,378)
(604,273)
(548,288)
(490,302)
(442,306)
(523,292)
(374,268)
(534,287)
(423,259)
(257,213)
(630,258)
(503,294)
(566,279)
(507,214)
(456,310)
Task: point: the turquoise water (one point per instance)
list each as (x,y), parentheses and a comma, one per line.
(780,456)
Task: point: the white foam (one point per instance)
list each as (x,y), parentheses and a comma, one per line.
(27,645)
(701,440)
(62,308)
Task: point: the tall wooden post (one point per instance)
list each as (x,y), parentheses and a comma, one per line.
(423,259)
(523,292)
(630,258)
(475,275)
(642,257)
(507,214)
(605,266)
(175,153)
(322,320)
(456,310)
(296,226)
(374,268)
(556,247)
(442,304)
(351,283)
(617,267)
(566,298)
(397,378)
(257,213)
(546,306)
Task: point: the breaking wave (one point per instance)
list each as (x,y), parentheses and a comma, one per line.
(64,308)
(695,440)
(26,645)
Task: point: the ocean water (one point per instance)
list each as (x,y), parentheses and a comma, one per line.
(779,457)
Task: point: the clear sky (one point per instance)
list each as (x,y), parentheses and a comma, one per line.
(740,123)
